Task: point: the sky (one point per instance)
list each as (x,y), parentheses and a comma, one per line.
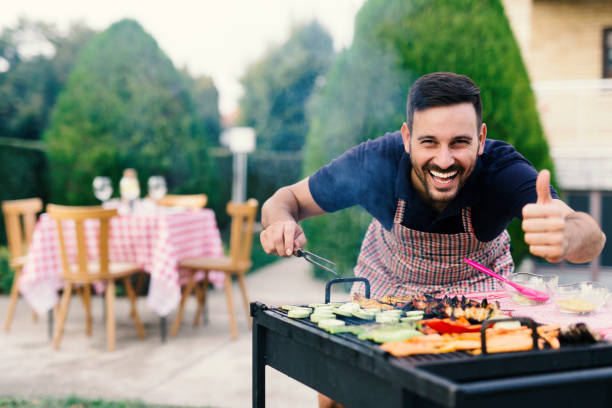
(219,38)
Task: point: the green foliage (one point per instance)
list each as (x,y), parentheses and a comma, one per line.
(29,88)
(124,105)
(268,171)
(395,42)
(206,100)
(278,86)
(23,175)
(28,91)
(6,273)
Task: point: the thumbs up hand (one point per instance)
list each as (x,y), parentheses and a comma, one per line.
(544,223)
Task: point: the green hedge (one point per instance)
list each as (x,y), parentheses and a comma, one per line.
(23,174)
(6,273)
(395,42)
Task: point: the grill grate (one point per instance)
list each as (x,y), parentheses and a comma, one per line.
(354,321)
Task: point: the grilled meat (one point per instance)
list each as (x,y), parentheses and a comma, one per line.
(453,307)
(366,303)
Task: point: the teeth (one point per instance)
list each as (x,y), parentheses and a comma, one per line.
(443,175)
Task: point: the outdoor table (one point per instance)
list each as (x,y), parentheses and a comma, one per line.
(156,241)
(360,374)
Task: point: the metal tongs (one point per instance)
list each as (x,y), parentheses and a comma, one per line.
(314,259)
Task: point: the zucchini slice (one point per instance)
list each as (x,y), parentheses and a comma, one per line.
(317,317)
(387,318)
(327,323)
(299,313)
(363,314)
(415,313)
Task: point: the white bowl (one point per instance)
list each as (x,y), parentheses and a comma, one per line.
(543,283)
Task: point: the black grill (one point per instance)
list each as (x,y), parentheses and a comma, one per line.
(359,373)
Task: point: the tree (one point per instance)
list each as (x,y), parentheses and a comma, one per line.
(366,90)
(278,86)
(206,101)
(29,86)
(124,105)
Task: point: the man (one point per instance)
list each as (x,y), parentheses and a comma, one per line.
(439,192)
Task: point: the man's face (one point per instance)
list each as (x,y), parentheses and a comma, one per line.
(444,145)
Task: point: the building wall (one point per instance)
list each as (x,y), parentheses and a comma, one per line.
(562,45)
(518,13)
(566,38)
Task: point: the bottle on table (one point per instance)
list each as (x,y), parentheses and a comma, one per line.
(129,188)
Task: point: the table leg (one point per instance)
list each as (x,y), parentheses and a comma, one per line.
(163,328)
(50,323)
(259,367)
(103,296)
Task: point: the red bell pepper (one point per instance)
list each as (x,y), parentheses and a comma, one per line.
(452,326)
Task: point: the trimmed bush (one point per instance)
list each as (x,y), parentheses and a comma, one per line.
(124,105)
(397,41)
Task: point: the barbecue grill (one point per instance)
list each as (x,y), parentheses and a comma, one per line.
(358,373)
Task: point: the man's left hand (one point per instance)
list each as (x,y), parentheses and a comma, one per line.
(544,223)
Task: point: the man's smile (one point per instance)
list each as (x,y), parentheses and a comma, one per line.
(443,180)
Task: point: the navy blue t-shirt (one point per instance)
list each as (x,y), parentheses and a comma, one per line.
(374,174)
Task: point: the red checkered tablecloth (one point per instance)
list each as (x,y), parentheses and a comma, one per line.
(548,313)
(155,241)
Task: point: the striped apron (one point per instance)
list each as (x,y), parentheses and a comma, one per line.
(404,261)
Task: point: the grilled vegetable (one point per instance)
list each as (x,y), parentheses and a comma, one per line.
(387,318)
(363,314)
(451,326)
(299,313)
(317,317)
(385,336)
(333,304)
(327,323)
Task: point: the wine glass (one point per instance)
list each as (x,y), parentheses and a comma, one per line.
(103,189)
(157,187)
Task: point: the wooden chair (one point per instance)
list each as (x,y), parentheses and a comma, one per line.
(18,213)
(85,272)
(190,201)
(237,263)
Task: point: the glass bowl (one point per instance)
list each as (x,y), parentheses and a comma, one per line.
(581,297)
(543,283)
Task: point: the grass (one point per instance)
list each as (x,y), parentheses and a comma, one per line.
(72,402)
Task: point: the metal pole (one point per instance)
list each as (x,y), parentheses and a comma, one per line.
(240,177)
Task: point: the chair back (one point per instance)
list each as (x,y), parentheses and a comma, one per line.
(241,234)
(78,216)
(20,219)
(190,201)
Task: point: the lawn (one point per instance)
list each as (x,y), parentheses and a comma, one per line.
(72,402)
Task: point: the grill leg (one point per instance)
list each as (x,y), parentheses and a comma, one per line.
(259,367)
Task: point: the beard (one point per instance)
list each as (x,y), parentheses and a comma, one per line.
(431,190)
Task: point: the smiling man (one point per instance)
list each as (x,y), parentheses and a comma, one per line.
(439,191)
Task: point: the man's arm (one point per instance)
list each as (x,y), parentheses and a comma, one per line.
(556,232)
(280,215)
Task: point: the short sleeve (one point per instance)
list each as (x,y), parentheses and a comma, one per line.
(339,184)
(364,175)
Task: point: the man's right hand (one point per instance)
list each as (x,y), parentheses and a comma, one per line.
(282,237)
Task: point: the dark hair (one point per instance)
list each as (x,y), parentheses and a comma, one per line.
(442,89)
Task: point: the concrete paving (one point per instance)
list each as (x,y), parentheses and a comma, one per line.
(201,366)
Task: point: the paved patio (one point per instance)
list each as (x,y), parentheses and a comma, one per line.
(202,366)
